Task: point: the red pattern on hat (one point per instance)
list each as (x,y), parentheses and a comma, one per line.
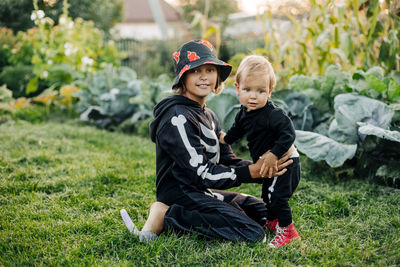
(206,43)
(176,56)
(192,56)
(187,67)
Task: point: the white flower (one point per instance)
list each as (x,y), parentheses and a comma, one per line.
(69,49)
(33,15)
(87,61)
(45,74)
(62,20)
(70,25)
(37,14)
(49,61)
(40,14)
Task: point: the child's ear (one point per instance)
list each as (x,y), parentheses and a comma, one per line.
(270,92)
(237,88)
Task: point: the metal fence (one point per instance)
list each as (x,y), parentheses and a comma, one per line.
(147,58)
(152,58)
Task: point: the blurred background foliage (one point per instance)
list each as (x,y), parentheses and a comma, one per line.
(16,14)
(355,35)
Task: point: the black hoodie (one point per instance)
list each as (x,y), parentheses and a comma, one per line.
(189,156)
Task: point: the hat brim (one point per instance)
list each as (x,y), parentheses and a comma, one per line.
(224,68)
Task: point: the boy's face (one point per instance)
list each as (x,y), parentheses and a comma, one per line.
(200,82)
(253,91)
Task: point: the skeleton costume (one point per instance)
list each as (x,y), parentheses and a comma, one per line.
(190,161)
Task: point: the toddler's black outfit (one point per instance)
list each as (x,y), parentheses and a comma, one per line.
(269,128)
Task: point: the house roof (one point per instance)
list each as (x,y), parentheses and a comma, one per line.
(140,11)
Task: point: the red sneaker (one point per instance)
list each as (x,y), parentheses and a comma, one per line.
(284,235)
(271,225)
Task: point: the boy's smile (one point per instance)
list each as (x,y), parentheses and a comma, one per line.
(200,82)
(253,91)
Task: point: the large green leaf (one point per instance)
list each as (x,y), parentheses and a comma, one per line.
(229,119)
(375,83)
(350,109)
(393,89)
(376,71)
(32,85)
(369,129)
(319,147)
(222,103)
(301,82)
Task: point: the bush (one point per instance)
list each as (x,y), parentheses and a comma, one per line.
(16,78)
(7,40)
(63,53)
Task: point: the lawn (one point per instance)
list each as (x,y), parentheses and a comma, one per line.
(62,186)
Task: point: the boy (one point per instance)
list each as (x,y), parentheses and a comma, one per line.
(267,129)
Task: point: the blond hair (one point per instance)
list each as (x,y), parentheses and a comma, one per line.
(180,87)
(256,65)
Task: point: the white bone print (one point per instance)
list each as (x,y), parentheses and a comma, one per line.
(271,189)
(179,122)
(211,135)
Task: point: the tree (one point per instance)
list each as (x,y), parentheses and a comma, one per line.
(16,14)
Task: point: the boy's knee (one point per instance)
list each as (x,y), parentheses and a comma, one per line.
(159,207)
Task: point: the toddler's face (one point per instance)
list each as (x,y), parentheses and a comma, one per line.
(253,91)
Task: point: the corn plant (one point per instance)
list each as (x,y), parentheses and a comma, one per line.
(351,34)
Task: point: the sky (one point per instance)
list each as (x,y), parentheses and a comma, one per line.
(247,6)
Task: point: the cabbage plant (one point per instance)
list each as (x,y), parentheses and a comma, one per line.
(106,100)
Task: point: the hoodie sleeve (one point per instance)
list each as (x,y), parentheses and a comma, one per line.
(236,132)
(227,157)
(280,123)
(180,137)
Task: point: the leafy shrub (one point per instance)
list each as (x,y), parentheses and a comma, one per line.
(7,40)
(63,53)
(16,78)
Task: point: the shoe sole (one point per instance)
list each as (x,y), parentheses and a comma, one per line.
(294,239)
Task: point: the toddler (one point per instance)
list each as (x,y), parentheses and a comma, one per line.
(267,128)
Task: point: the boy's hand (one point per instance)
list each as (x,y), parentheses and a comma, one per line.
(221,137)
(270,165)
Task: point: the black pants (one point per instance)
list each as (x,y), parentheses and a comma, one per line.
(222,214)
(276,193)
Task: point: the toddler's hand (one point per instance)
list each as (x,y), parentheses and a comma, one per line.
(221,137)
(270,165)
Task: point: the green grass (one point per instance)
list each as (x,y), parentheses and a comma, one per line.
(62,186)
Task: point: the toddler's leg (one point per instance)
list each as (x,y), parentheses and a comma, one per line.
(280,193)
(267,190)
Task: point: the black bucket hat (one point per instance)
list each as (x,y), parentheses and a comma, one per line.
(194,54)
